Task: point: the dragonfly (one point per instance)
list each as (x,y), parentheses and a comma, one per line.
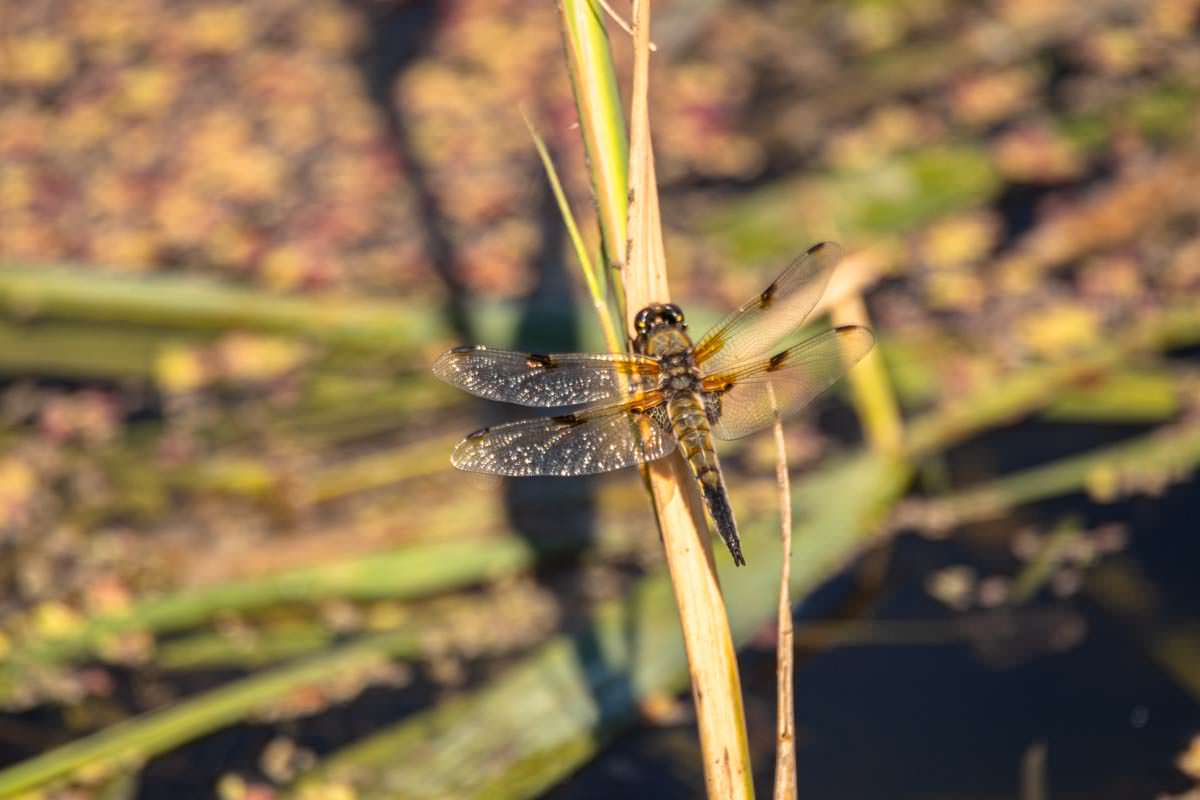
(669,393)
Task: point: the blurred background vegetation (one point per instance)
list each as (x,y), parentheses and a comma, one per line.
(236,560)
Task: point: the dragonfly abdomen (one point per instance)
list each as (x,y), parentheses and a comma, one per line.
(692,431)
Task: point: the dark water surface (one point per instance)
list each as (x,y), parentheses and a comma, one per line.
(945,720)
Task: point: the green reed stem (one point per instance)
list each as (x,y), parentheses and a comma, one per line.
(594,279)
(602,123)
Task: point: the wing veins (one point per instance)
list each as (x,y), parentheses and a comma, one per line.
(595,440)
(762,322)
(547,379)
(797,375)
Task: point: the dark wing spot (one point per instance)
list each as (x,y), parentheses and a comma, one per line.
(777,361)
(768,295)
(467,348)
(540,360)
(818,247)
(568,420)
(477,434)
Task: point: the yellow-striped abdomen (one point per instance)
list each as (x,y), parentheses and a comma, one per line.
(694,435)
(662,334)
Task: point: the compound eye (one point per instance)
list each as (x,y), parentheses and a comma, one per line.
(642,320)
(674,313)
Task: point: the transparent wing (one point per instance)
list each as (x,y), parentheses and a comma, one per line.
(742,397)
(761,323)
(538,379)
(585,443)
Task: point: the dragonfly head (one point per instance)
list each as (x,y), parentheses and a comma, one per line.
(656,316)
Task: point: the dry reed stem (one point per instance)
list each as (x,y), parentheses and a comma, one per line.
(712,661)
(785,714)
(621,23)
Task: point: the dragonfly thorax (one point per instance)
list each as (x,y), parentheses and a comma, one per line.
(670,343)
(680,373)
